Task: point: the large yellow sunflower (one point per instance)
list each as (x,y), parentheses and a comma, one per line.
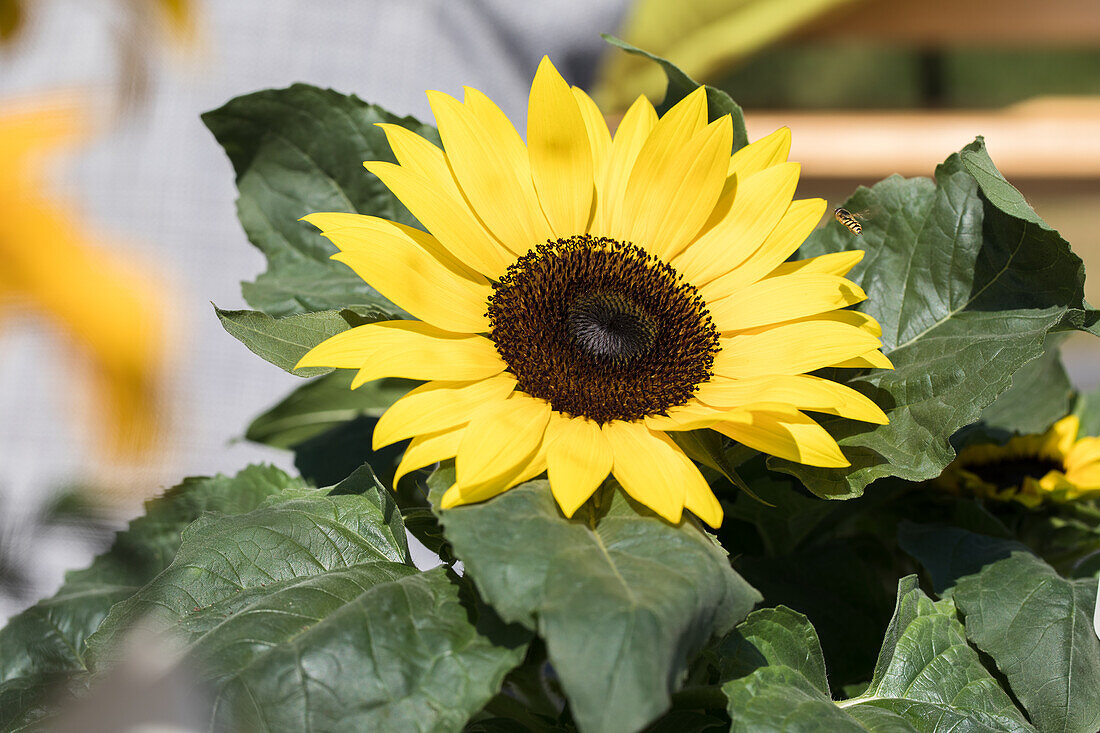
(1030,469)
(582,295)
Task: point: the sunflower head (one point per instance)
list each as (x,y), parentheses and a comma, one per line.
(580,295)
(1030,469)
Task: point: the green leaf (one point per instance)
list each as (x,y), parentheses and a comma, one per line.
(772,637)
(966,294)
(927,679)
(783,517)
(1036,625)
(42,649)
(623,603)
(1040,394)
(323,404)
(1087,410)
(307,612)
(298,151)
(49,637)
(284,341)
(680,85)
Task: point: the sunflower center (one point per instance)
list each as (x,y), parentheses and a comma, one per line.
(1012,472)
(601,329)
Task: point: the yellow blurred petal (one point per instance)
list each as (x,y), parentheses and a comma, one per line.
(801,391)
(1059,439)
(650,468)
(764,153)
(786,434)
(673,189)
(599,138)
(447,218)
(791,348)
(424,450)
(578,459)
(491,165)
(404,265)
(834,263)
(501,435)
(797,222)
(410,349)
(438,406)
(633,131)
(560,153)
(778,299)
(758,207)
(1084,451)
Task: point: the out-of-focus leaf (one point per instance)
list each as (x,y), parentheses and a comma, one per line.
(43,648)
(1036,625)
(966,294)
(1087,410)
(323,404)
(297,151)
(307,613)
(623,603)
(680,85)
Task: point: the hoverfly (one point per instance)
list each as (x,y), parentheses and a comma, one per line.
(849,220)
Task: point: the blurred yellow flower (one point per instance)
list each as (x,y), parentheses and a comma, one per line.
(49,266)
(1030,469)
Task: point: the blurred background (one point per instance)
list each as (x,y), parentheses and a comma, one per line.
(117,223)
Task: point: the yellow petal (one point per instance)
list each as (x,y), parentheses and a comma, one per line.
(599,138)
(801,391)
(633,131)
(795,225)
(410,349)
(578,459)
(490,163)
(834,263)
(418,155)
(786,434)
(424,450)
(870,360)
(791,348)
(459,494)
(410,268)
(764,153)
(701,501)
(758,207)
(438,406)
(447,218)
(560,153)
(778,299)
(673,189)
(501,435)
(650,468)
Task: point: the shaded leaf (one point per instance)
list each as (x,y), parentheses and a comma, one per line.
(1087,409)
(1040,394)
(772,637)
(680,85)
(623,604)
(966,294)
(1036,625)
(323,404)
(297,151)
(927,679)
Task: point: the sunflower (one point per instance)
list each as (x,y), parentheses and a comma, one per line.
(1030,469)
(580,296)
